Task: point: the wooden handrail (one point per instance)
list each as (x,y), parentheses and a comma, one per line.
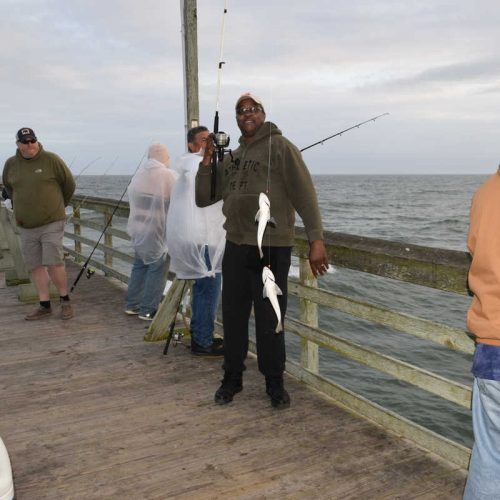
(441,269)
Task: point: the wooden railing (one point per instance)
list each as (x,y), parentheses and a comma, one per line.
(109,213)
(440,269)
(435,268)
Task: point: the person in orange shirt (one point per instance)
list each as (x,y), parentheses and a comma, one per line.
(483,320)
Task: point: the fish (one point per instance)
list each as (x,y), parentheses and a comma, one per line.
(271,292)
(263,218)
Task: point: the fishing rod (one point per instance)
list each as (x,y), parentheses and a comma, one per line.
(70,217)
(86,167)
(343,131)
(221,139)
(75,209)
(176,337)
(90,272)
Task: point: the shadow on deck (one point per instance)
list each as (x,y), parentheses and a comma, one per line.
(89,410)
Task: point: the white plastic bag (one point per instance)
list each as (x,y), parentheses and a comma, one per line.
(190,228)
(149,198)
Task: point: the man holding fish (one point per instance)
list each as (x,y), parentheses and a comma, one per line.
(262,184)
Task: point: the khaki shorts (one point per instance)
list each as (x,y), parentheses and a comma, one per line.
(42,246)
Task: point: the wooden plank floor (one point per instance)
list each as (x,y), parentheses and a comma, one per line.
(88,410)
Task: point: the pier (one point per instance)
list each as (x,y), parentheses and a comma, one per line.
(90,410)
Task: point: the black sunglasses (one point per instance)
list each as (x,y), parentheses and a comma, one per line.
(28,141)
(250,109)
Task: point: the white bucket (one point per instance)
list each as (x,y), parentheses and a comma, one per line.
(6,482)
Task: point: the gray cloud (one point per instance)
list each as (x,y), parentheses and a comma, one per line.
(104,78)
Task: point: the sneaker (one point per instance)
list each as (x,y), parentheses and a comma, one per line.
(276,390)
(66,309)
(213,350)
(131,312)
(39,313)
(232,383)
(147,317)
(215,340)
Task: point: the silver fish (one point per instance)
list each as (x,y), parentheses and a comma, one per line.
(271,292)
(263,218)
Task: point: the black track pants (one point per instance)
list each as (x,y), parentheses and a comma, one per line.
(242,287)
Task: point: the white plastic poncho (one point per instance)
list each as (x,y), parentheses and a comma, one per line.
(191,228)
(149,197)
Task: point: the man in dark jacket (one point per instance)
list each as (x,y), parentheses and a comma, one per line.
(266,166)
(40,186)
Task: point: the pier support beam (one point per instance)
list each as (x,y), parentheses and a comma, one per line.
(18,273)
(167,311)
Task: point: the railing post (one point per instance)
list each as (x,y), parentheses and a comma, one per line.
(309,315)
(108,239)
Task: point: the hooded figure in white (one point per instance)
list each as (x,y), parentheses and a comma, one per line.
(149,198)
(196,242)
(191,229)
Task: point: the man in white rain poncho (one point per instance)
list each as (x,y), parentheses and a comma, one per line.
(149,198)
(196,240)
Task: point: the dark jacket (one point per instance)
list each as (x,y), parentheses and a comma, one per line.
(244,176)
(40,188)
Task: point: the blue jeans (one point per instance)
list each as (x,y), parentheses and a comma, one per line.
(483,482)
(206,293)
(146,285)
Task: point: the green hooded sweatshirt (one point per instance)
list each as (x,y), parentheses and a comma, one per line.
(269,164)
(40,188)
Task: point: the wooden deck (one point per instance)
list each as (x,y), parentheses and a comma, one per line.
(88,410)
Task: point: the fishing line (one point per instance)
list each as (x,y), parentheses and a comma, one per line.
(75,209)
(221,62)
(221,139)
(268,182)
(86,167)
(76,179)
(268,192)
(86,263)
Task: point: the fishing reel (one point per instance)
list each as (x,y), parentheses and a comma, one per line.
(177,337)
(90,271)
(221,141)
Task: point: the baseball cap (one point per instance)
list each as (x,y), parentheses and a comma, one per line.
(25,133)
(248,95)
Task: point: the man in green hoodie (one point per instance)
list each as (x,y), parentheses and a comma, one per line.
(265,163)
(40,186)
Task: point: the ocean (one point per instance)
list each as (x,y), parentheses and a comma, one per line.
(429,210)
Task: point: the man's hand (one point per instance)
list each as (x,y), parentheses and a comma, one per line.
(209,151)
(318,259)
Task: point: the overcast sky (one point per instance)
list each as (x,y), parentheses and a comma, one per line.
(99,80)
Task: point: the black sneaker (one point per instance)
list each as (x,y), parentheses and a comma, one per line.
(213,350)
(232,383)
(276,390)
(215,340)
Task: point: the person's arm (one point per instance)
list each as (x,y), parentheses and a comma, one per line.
(303,197)
(472,234)
(5,180)
(66,180)
(318,258)
(203,182)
